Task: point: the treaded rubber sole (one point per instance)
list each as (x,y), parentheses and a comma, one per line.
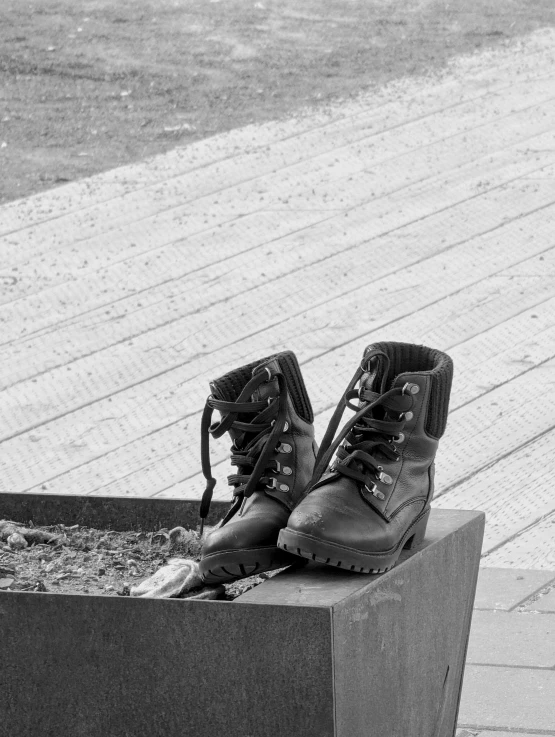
(231,565)
(339,556)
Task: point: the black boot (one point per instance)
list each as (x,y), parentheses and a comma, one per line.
(374,500)
(266,410)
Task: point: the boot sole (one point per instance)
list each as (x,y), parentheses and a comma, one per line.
(232,565)
(339,556)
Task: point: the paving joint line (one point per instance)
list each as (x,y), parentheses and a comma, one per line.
(334,150)
(68,321)
(192,414)
(296,135)
(390,275)
(499,458)
(508,381)
(336,213)
(512,667)
(528,599)
(514,730)
(430,304)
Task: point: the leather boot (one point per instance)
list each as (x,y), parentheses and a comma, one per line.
(374,500)
(265,409)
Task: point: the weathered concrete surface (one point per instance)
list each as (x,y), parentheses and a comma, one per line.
(509,680)
(506,588)
(543,603)
(512,638)
(508,698)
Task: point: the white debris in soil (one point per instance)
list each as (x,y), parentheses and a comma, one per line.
(83,560)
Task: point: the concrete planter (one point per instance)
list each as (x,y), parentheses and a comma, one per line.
(310,653)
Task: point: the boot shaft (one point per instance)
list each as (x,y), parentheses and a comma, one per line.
(424,375)
(290,462)
(389,445)
(436,367)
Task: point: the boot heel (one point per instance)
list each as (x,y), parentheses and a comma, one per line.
(418,533)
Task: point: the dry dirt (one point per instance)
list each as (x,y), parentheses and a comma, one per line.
(83,560)
(88,86)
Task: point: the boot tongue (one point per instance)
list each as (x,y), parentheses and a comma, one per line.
(268,388)
(372,380)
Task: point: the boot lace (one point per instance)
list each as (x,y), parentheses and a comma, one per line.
(370,435)
(252,448)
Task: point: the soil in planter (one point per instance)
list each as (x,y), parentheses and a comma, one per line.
(101,562)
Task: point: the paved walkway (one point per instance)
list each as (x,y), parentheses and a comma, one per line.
(423,212)
(509,685)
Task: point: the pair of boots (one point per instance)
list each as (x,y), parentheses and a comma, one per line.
(357,513)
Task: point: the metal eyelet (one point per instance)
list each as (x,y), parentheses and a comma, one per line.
(286,427)
(399,438)
(284,448)
(268,372)
(278,487)
(408,416)
(385,477)
(374,491)
(411,388)
(287,471)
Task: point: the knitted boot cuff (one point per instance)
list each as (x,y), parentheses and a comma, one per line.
(409,358)
(229,386)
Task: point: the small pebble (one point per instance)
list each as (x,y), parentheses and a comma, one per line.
(16,541)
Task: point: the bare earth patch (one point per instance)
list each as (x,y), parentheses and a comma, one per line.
(88,86)
(83,560)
